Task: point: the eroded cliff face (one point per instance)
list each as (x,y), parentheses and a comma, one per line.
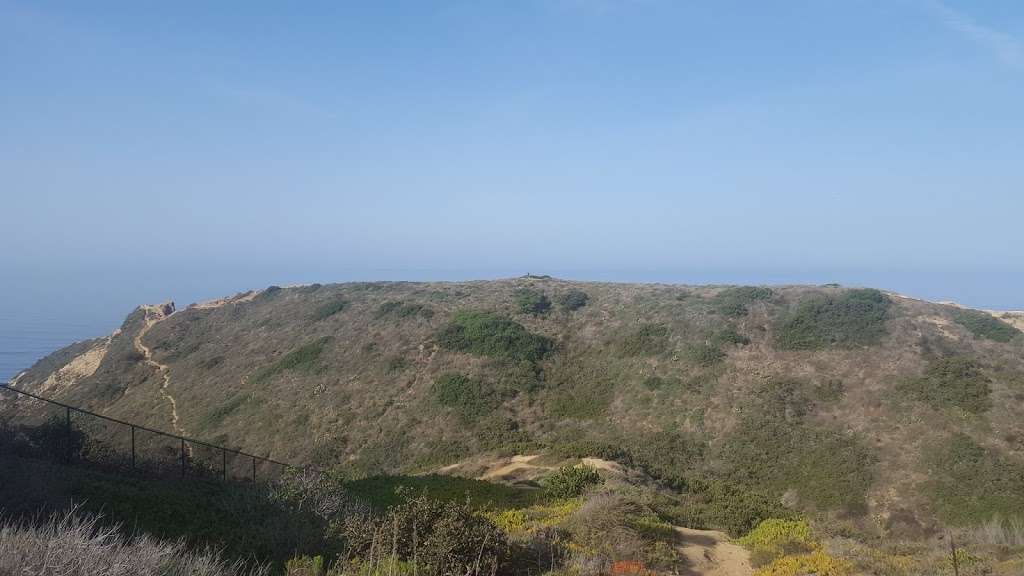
(413,376)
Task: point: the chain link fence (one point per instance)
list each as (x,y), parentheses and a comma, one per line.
(33,426)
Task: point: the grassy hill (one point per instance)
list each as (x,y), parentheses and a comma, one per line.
(854,406)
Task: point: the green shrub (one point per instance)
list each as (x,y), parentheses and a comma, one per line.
(403,310)
(729,336)
(734,301)
(704,354)
(531,301)
(578,387)
(570,481)
(971,484)
(721,505)
(647,340)
(441,538)
(847,320)
(488,334)
(775,448)
(304,359)
(382,492)
(504,434)
(305,566)
(573,300)
(666,454)
(220,413)
(985,325)
(329,309)
(949,382)
(471,398)
(777,537)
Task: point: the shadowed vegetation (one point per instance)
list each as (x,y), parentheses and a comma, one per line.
(329,309)
(974,483)
(532,301)
(470,398)
(735,301)
(488,334)
(952,382)
(776,447)
(573,299)
(404,310)
(849,319)
(984,325)
(647,340)
(305,359)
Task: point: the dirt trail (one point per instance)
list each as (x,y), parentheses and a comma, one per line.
(710,553)
(154,314)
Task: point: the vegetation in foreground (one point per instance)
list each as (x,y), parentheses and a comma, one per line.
(79,545)
(740,404)
(579,522)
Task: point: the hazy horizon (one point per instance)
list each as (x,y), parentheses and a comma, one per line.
(188,151)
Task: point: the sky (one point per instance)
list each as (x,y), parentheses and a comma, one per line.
(188,150)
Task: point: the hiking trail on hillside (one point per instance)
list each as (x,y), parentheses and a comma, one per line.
(153,315)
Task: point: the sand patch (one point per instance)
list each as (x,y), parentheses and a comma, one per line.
(81,366)
(711,553)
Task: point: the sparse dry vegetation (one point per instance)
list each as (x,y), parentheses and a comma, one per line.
(78,545)
(730,400)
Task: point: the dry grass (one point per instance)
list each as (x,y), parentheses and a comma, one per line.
(74,545)
(368,406)
(999,532)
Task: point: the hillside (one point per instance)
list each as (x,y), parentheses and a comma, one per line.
(858,407)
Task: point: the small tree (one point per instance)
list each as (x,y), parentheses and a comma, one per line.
(532,301)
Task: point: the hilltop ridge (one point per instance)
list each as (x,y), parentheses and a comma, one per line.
(852,403)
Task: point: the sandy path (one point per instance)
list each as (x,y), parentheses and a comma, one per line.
(710,553)
(155,314)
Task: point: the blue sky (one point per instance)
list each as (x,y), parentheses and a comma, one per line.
(197,148)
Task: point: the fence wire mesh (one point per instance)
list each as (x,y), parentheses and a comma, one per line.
(34,426)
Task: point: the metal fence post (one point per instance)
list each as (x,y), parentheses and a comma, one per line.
(133,447)
(224,464)
(254,470)
(182,457)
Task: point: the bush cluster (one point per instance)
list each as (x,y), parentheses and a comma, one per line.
(488,334)
(441,538)
(532,301)
(470,398)
(404,310)
(305,358)
(850,319)
(573,300)
(727,336)
(704,355)
(972,484)
(985,325)
(571,481)
(329,309)
(776,537)
(735,301)
(775,447)
(647,340)
(952,382)
(786,547)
